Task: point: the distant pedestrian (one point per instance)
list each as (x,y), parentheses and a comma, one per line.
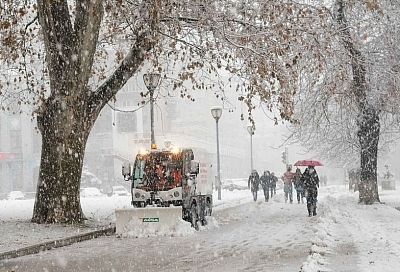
(273,181)
(324,180)
(253,183)
(311,185)
(299,185)
(265,183)
(287,179)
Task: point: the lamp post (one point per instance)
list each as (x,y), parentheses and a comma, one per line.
(151,81)
(216,113)
(251,129)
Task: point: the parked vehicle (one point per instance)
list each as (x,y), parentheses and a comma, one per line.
(88,179)
(15,195)
(90,192)
(119,191)
(234,184)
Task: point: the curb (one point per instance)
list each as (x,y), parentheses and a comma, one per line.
(56,243)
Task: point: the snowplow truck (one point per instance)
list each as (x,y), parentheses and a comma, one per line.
(169,179)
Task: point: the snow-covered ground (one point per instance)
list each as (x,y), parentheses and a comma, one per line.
(18,232)
(244,236)
(353,237)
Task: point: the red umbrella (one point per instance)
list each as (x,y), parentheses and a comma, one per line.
(308,163)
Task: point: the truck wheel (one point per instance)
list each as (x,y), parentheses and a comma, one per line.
(194,216)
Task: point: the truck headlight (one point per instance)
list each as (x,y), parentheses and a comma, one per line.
(137,195)
(176,193)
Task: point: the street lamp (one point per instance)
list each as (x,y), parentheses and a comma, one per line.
(251,129)
(151,81)
(216,113)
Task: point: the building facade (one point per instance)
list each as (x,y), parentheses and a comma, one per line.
(19,153)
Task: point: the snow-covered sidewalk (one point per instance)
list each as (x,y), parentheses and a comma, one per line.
(354,237)
(274,236)
(17,230)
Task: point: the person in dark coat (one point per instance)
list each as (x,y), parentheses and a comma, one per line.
(273,181)
(299,185)
(311,185)
(265,183)
(254,183)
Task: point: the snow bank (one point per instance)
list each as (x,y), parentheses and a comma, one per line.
(350,236)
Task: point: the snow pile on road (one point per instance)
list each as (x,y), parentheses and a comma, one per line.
(182,228)
(135,229)
(321,242)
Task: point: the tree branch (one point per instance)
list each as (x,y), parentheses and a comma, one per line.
(122,74)
(56,26)
(89,15)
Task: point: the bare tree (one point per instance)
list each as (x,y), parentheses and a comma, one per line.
(356,107)
(69,58)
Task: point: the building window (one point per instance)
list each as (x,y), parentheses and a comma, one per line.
(127,122)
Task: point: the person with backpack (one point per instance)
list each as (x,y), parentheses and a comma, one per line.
(265,183)
(253,183)
(299,185)
(311,185)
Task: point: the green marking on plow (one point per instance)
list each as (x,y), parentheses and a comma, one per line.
(151,220)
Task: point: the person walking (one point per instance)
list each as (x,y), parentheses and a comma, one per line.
(253,183)
(265,183)
(311,185)
(273,181)
(287,179)
(299,185)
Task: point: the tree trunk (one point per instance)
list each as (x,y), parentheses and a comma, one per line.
(368,135)
(67,115)
(64,139)
(368,120)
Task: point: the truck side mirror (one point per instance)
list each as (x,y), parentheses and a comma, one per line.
(126,170)
(194,167)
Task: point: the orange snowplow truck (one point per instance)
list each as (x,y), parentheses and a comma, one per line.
(171,178)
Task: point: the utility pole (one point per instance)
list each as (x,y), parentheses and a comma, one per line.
(151,80)
(216,112)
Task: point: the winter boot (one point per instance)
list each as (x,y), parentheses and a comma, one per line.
(315,210)
(309,209)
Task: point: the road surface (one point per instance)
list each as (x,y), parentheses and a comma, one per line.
(256,236)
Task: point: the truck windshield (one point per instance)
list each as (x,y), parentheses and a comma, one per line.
(158,171)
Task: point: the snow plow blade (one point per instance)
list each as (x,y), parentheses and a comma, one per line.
(151,220)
